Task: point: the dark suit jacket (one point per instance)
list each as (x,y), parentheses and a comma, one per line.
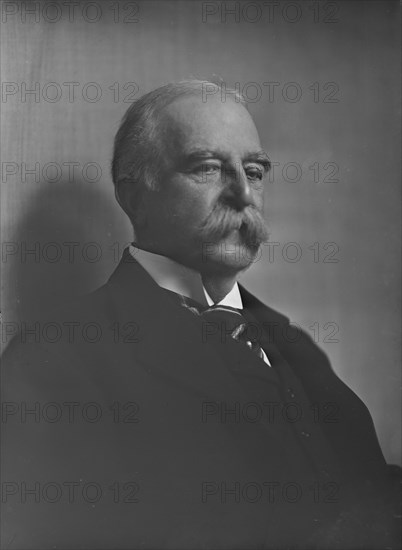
(127,423)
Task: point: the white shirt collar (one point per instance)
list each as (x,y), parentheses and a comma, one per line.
(181,279)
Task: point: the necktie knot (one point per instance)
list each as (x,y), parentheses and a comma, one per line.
(224,322)
(230,322)
(231,318)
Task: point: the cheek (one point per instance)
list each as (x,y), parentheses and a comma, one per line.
(179,215)
(188,202)
(259,197)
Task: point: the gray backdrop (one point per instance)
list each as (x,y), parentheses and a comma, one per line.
(323,83)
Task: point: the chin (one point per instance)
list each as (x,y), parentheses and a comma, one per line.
(228,256)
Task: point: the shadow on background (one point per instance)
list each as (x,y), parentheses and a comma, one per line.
(59,246)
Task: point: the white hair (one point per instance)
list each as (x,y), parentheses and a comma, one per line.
(136,157)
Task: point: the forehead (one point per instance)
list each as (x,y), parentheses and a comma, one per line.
(190,123)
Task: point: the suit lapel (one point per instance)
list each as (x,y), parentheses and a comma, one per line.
(170,345)
(170,337)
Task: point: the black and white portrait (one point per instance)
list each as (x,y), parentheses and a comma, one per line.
(200,317)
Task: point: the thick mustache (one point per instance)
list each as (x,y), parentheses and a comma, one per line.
(223,220)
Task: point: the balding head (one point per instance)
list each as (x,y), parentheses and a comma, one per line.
(138,158)
(188,170)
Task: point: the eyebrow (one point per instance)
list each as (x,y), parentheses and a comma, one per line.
(259,157)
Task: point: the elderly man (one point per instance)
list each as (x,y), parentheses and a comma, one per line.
(187,414)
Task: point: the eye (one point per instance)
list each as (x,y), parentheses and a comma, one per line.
(207,169)
(254,172)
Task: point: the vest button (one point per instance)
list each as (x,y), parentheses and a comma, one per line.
(305,434)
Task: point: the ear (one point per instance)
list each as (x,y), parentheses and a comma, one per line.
(130,197)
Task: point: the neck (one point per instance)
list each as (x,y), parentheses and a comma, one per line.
(218,286)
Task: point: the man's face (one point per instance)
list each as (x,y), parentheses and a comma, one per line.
(206,212)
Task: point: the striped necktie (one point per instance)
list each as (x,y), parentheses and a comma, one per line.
(228,322)
(231,322)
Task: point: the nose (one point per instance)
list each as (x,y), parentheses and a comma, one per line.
(238,192)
